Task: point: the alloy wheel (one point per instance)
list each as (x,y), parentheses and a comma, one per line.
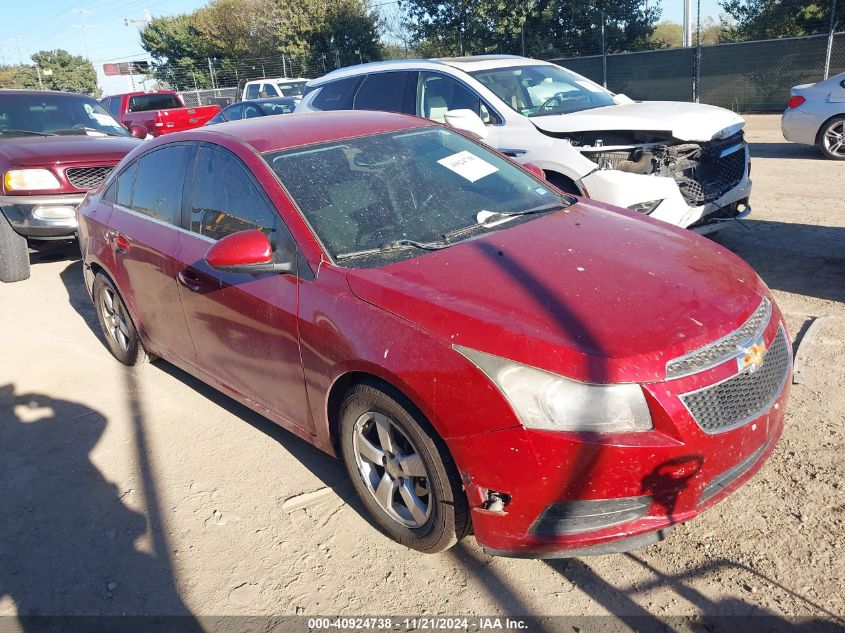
(392,469)
(834,139)
(114,318)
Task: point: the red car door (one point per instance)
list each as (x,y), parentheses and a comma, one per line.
(244,326)
(143,240)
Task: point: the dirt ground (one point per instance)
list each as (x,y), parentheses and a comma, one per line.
(149,493)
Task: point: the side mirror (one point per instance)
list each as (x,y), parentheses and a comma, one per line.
(249,251)
(138,131)
(468,121)
(537,171)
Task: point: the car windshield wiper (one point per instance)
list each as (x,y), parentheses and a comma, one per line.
(24,132)
(72,131)
(491,218)
(394,245)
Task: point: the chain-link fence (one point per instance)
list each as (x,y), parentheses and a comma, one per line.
(212,96)
(744,76)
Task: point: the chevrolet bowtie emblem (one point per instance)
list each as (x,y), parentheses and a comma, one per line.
(751,357)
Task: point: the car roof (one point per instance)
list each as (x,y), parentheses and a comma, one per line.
(275,133)
(288,79)
(466,64)
(52,93)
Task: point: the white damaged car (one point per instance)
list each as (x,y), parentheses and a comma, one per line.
(684,163)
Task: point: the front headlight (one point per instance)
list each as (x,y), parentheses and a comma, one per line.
(30,180)
(543,400)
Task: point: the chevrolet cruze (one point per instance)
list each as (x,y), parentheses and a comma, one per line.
(483,352)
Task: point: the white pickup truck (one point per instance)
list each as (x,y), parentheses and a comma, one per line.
(684,163)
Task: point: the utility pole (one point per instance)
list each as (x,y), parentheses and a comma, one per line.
(17,42)
(687,23)
(82,27)
(830,38)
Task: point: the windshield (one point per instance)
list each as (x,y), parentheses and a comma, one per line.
(292,89)
(47,114)
(423,185)
(539,90)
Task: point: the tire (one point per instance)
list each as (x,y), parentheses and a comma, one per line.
(831,139)
(14,253)
(121,336)
(420,472)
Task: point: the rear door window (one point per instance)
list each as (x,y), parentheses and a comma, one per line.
(225,199)
(382,91)
(269,90)
(159,183)
(337,95)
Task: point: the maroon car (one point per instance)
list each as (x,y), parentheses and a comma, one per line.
(483,351)
(54,147)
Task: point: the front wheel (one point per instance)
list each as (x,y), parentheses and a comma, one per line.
(831,139)
(401,470)
(14,254)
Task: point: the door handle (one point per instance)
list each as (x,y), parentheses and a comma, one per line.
(118,240)
(189,280)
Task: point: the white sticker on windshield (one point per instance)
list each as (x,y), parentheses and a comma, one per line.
(589,86)
(468,165)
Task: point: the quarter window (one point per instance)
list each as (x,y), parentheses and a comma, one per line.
(224,199)
(159,182)
(120,190)
(252,91)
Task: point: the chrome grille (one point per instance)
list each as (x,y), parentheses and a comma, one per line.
(743,397)
(87,177)
(721,350)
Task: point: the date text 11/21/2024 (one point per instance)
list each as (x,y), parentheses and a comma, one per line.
(421,623)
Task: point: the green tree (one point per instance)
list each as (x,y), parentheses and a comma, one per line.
(18,77)
(667,35)
(59,71)
(545,28)
(240,37)
(763,19)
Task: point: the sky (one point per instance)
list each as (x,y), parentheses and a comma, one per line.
(96,29)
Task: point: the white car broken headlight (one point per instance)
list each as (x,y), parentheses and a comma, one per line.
(543,400)
(646,207)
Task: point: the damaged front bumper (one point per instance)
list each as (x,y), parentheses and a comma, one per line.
(702,198)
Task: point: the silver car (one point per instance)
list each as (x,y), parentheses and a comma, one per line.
(815,115)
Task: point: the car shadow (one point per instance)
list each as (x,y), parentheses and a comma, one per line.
(53,251)
(783,150)
(804,259)
(330,470)
(68,536)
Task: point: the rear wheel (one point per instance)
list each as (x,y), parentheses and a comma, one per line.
(121,335)
(14,254)
(831,139)
(401,470)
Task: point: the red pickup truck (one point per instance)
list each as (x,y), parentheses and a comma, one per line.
(160,112)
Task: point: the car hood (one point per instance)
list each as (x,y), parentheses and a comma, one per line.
(589,293)
(57,150)
(685,121)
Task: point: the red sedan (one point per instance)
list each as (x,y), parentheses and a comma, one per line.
(484,353)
